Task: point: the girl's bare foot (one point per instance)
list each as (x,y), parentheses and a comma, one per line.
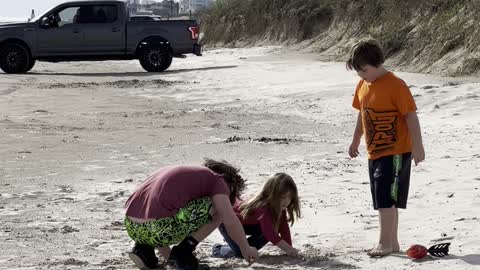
(380,251)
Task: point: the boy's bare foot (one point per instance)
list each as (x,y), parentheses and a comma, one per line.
(379,251)
(396,247)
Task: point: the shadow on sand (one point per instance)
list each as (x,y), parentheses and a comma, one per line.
(269,262)
(126,74)
(473,259)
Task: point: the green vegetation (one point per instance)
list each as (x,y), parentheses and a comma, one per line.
(424,31)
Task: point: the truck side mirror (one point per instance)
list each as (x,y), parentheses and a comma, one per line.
(45,22)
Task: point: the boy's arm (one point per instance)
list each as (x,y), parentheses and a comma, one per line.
(357,135)
(418,153)
(234,228)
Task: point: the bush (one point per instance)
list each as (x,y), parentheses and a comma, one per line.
(411,31)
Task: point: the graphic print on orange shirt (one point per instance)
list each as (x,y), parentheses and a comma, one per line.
(381,128)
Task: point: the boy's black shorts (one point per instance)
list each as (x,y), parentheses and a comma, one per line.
(386,191)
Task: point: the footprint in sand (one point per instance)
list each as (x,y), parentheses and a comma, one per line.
(114,226)
(96,243)
(129,180)
(312,258)
(68,229)
(12,212)
(115,263)
(69,261)
(64,189)
(111,196)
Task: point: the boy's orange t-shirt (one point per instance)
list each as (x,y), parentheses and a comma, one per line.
(384,104)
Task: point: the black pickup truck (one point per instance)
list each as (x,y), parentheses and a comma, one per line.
(95,31)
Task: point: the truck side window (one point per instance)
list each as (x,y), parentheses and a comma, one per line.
(66,16)
(101,16)
(85,14)
(60,18)
(109,13)
(97,14)
(76,17)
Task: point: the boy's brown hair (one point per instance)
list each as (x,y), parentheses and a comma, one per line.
(364,53)
(230,174)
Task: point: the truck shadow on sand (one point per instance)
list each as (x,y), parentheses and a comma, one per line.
(127,74)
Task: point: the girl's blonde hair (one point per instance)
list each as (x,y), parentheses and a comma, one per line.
(276,186)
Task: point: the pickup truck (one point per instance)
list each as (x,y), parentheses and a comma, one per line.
(95,31)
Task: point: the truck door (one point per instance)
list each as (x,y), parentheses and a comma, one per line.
(103,29)
(58,35)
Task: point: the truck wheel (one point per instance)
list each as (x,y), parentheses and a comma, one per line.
(30,65)
(14,58)
(155,58)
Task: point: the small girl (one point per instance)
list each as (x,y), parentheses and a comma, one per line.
(265,218)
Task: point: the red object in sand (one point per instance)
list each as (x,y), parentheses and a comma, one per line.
(417,252)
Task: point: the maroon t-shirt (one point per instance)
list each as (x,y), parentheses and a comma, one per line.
(171,188)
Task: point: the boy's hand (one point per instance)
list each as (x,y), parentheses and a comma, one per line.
(250,255)
(418,154)
(353,150)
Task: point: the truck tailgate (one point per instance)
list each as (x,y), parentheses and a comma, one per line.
(177,32)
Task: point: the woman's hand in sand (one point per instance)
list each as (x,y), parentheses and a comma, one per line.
(250,255)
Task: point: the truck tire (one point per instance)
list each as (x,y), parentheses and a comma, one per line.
(14,58)
(155,58)
(30,65)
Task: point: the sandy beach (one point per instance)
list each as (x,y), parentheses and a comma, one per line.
(77,138)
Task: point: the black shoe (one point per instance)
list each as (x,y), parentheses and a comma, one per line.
(183,258)
(144,257)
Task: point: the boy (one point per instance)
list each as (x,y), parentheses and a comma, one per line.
(392,133)
(184,204)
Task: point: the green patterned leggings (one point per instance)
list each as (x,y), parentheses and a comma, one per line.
(171,230)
